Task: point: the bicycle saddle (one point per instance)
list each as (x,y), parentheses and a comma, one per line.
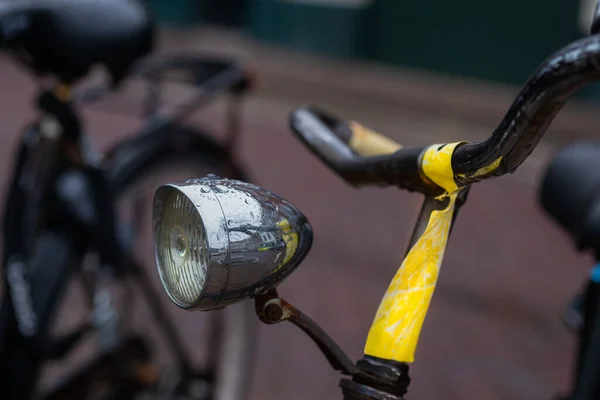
(65,38)
(570,193)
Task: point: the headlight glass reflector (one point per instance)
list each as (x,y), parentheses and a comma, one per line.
(181,250)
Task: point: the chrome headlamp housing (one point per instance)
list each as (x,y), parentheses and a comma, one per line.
(218,241)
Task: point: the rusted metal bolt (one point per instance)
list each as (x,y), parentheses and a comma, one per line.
(273,312)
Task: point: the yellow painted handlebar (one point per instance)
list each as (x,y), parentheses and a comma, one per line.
(395,331)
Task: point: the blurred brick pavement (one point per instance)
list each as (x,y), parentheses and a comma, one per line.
(493,331)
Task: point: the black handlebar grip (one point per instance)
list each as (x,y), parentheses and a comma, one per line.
(319,132)
(338,127)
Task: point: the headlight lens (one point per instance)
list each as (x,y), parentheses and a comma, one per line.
(180,250)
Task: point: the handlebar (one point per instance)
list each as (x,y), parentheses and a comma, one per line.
(528,118)
(443,172)
(331,140)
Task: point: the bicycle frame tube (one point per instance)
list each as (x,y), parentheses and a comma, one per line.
(40,152)
(394,334)
(395,330)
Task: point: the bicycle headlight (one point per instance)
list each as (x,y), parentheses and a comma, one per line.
(218,241)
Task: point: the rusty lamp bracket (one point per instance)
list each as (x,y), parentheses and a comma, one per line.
(271,310)
(370,379)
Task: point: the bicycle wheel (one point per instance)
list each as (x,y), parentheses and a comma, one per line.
(224,340)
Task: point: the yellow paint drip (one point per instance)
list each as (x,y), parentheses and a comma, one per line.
(437,166)
(484,170)
(395,332)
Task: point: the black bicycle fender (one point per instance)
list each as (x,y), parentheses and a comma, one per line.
(34,288)
(129,159)
(35,284)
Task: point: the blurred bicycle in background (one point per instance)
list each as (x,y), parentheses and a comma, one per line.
(74,217)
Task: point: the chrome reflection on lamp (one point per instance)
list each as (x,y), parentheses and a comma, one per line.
(218,241)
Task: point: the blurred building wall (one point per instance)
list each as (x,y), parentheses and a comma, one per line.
(502,41)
